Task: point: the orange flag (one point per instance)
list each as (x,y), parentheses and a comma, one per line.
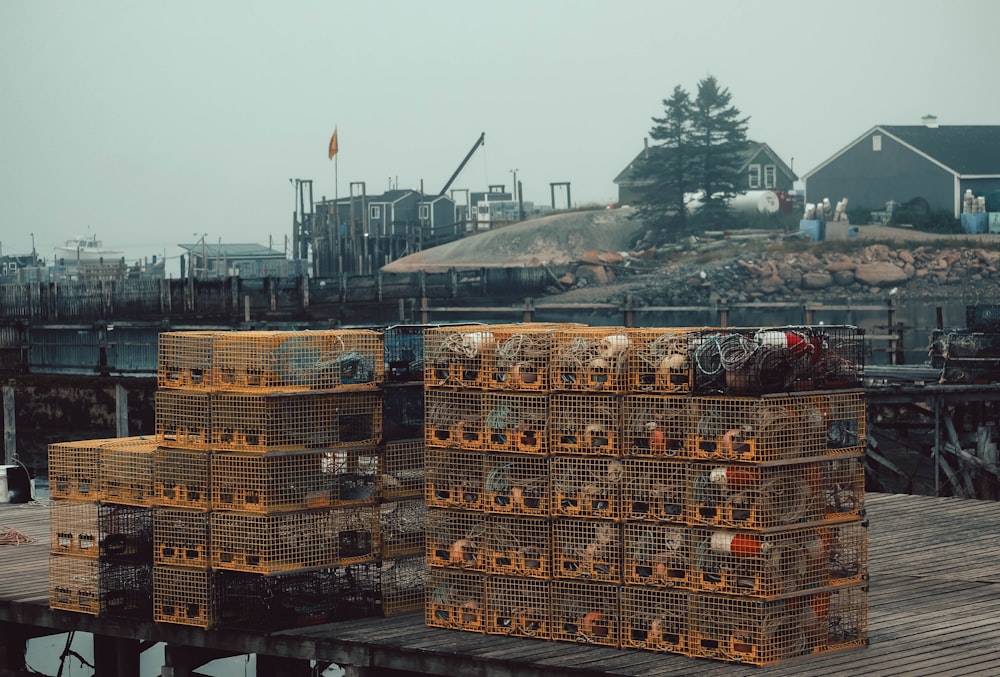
(333,144)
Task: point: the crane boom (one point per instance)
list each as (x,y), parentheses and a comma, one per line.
(479,142)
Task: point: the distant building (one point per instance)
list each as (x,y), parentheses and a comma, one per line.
(206,261)
(22,268)
(899,163)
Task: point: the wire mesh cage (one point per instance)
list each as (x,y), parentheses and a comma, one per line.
(455,479)
(456,600)
(74,469)
(657,555)
(458,539)
(516,484)
(654,620)
(271,422)
(326,359)
(836,423)
(457,355)
(105,530)
(585,612)
(655,490)
(764,632)
(519,546)
(520,356)
(404,352)
(403,474)
(454,418)
(184,359)
(185,596)
(587,486)
(127,471)
(656,425)
(659,360)
(403,525)
(281,481)
(518,608)
(585,424)
(516,422)
(402,412)
(774,360)
(98,587)
(404,581)
(182,478)
(587,548)
(590,359)
(181,537)
(184,418)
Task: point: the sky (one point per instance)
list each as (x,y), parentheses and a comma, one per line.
(152,124)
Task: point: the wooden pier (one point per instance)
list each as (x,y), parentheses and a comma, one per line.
(934,610)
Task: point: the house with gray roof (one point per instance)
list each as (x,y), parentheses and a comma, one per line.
(206,260)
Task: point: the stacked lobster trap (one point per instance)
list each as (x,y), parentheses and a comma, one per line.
(705,489)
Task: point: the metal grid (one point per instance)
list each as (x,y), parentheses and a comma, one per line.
(402,412)
(836,422)
(764,632)
(519,546)
(586,486)
(457,355)
(458,539)
(182,478)
(659,361)
(656,425)
(520,357)
(184,418)
(184,359)
(119,589)
(185,596)
(585,612)
(402,527)
(654,620)
(404,582)
(105,530)
(454,479)
(590,359)
(454,418)
(261,422)
(516,422)
(518,608)
(657,555)
(404,352)
(180,537)
(127,471)
(284,481)
(585,424)
(74,469)
(765,497)
(587,548)
(326,359)
(517,484)
(403,474)
(655,490)
(749,429)
(456,600)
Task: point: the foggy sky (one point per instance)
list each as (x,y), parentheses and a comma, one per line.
(154,123)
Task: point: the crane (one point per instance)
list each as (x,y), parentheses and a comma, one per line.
(479,142)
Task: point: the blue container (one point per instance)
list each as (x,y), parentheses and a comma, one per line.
(975,224)
(815,229)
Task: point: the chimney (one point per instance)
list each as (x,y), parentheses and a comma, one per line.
(645,145)
(930,121)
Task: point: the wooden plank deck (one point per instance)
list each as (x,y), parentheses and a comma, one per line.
(934,609)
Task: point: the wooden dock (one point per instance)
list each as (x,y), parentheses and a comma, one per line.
(934,610)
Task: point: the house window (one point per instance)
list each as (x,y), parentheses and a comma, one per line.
(425,212)
(374,212)
(755,176)
(770,176)
(877,142)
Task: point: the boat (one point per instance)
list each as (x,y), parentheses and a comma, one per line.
(85,249)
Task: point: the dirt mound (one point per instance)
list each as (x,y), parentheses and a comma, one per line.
(555,239)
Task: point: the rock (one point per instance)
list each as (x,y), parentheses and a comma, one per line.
(880,274)
(772,284)
(569,279)
(837,266)
(843,278)
(817,280)
(594,274)
(610,257)
(905,256)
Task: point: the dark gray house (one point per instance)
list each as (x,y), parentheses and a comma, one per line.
(900,163)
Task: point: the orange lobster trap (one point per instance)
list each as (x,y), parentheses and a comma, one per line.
(402,527)
(656,425)
(271,422)
(655,490)
(100,530)
(765,632)
(520,356)
(454,418)
(454,479)
(458,355)
(182,478)
(99,587)
(456,600)
(586,424)
(181,538)
(585,486)
(657,555)
(127,471)
(184,418)
(659,360)
(517,607)
(326,359)
(281,481)
(516,484)
(585,612)
(519,546)
(458,539)
(587,548)
(590,359)
(184,359)
(403,474)
(404,581)
(654,620)
(185,596)
(74,469)
(516,422)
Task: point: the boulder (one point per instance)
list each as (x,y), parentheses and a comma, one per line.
(817,280)
(880,274)
(843,278)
